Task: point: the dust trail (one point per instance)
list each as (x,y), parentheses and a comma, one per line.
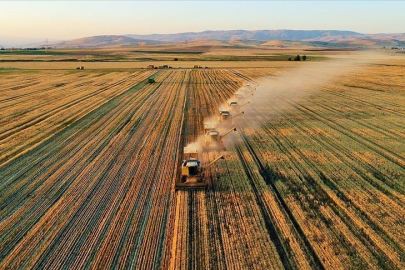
(269,98)
(211,121)
(194,147)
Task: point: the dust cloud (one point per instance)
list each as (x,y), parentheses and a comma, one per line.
(274,95)
(194,147)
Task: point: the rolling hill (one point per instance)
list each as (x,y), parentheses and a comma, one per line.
(103,41)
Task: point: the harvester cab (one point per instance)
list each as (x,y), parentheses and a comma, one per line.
(191,168)
(208,127)
(224,116)
(191,172)
(212,136)
(233,104)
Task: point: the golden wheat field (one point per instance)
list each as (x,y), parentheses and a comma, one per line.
(313,178)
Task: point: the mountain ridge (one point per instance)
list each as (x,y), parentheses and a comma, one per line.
(261,35)
(329,36)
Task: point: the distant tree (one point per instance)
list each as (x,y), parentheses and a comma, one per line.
(2,48)
(176,59)
(289,59)
(297,58)
(304,58)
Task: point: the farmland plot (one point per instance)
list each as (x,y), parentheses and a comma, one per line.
(88,162)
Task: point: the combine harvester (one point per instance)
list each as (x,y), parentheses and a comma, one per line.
(240,97)
(225,118)
(249,86)
(235,106)
(246,91)
(249,92)
(193,173)
(213,140)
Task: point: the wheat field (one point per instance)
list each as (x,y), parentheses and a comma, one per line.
(312,179)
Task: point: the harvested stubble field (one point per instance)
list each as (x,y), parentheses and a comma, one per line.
(88,162)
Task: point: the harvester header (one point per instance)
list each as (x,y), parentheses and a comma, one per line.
(242,112)
(215,161)
(228,132)
(244,104)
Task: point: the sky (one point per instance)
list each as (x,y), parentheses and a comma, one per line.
(63,20)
